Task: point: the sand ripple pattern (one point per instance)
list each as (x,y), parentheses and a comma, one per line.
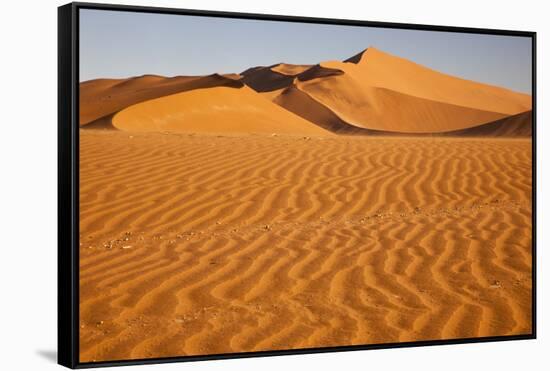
(209,244)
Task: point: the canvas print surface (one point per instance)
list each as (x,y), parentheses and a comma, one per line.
(253,185)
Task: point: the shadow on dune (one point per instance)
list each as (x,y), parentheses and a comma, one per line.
(380,95)
(519,125)
(97,102)
(157,91)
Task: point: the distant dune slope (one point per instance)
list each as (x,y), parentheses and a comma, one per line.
(386,93)
(302,104)
(512,126)
(220,109)
(299,102)
(380,69)
(272,77)
(104,97)
(371,93)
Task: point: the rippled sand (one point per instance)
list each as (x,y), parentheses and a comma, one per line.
(213,244)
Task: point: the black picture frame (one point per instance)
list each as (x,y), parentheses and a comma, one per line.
(68,181)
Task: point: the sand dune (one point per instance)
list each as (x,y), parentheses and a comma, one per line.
(383,70)
(220,109)
(272,77)
(290,69)
(435,119)
(205,244)
(520,125)
(103,97)
(303,105)
(371,93)
(385,93)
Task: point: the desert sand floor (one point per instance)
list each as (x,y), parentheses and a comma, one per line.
(211,244)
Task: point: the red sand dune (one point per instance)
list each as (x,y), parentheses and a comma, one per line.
(512,126)
(272,77)
(103,97)
(385,93)
(370,93)
(219,109)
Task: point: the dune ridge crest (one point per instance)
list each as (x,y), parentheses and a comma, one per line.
(369,93)
(233,108)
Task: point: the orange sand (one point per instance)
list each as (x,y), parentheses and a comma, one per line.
(227,109)
(202,244)
(386,93)
(228,213)
(371,93)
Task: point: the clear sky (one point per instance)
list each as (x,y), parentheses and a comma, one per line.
(116,44)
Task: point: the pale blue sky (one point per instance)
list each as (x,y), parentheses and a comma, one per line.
(116,44)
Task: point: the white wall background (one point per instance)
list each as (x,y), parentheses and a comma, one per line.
(28,155)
